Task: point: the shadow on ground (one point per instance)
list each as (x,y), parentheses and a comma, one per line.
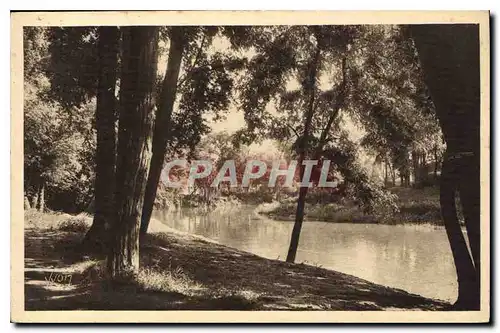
(225,279)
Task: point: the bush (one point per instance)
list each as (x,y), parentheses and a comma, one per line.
(75,224)
(57,221)
(35,219)
(415,206)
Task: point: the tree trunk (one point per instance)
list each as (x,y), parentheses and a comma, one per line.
(299,215)
(423,168)
(299,219)
(105,115)
(468,285)
(449,55)
(436,162)
(470,197)
(162,123)
(393,174)
(414,160)
(41,197)
(405,169)
(26,203)
(386,173)
(34,199)
(139,68)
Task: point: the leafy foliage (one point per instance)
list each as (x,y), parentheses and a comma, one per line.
(301,72)
(205,87)
(392,103)
(74,64)
(58,141)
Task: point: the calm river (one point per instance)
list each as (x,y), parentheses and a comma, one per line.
(413,258)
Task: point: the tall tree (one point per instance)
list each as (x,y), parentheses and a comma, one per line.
(162,125)
(138,76)
(203,88)
(450,60)
(96,49)
(306,112)
(310,86)
(105,120)
(307,73)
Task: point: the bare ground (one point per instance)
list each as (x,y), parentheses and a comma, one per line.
(184,272)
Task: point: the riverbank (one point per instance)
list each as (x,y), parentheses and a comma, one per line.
(185,272)
(416,206)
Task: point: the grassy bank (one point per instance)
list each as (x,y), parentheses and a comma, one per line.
(415,206)
(180,271)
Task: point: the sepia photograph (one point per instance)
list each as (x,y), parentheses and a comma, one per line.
(303,167)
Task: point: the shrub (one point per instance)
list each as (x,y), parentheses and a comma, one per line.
(79,223)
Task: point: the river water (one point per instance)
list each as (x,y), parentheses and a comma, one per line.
(409,257)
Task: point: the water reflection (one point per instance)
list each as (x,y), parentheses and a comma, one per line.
(416,259)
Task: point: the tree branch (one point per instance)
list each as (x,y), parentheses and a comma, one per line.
(188,72)
(293,129)
(336,109)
